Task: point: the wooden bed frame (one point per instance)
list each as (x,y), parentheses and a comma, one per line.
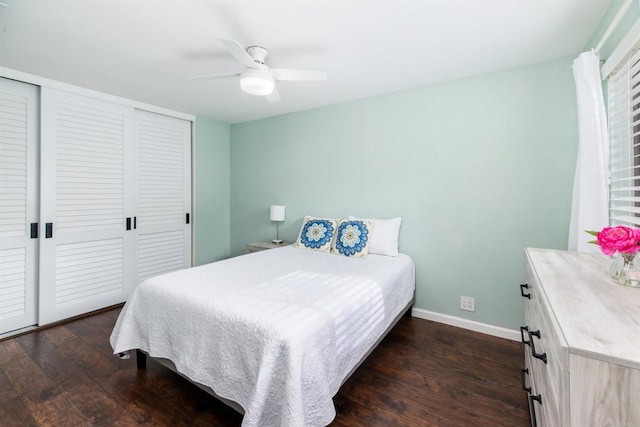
(141,360)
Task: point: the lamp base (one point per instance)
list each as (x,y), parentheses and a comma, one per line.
(276,241)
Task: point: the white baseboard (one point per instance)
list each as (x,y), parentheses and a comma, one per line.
(496,331)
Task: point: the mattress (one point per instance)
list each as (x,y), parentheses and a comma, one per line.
(276,331)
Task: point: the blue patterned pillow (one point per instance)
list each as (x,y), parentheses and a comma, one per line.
(352,238)
(317,233)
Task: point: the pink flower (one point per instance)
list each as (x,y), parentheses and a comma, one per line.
(619,239)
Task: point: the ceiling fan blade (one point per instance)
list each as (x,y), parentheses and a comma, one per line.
(299,75)
(275,96)
(215,76)
(239,53)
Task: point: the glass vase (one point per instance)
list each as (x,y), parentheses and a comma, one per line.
(625,269)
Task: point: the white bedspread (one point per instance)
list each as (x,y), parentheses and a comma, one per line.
(276,331)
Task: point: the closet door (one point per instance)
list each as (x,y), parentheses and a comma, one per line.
(163,194)
(19,145)
(85,199)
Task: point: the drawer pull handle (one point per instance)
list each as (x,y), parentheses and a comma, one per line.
(541,356)
(524,329)
(524,372)
(522,288)
(532,398)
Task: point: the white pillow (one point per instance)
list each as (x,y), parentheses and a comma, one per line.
(384,236)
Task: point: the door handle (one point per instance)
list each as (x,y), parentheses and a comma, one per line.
(48,230)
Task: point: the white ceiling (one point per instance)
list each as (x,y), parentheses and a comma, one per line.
(145,50)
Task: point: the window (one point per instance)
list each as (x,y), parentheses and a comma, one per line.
(624,136)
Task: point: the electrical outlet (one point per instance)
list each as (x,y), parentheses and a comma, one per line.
(467,303)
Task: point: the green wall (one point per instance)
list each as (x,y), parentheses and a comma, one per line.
(211,191)
(629,18)
(477,168)
(622,28)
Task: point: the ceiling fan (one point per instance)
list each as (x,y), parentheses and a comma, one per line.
(257,78)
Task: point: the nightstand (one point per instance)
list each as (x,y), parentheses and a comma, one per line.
(262,246)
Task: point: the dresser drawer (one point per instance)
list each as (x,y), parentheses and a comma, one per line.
(546,343)
(547,409)
(547,358)
(545,339)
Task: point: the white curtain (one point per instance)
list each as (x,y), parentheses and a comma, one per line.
(589,210)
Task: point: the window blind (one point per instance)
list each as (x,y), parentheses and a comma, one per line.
(624,136)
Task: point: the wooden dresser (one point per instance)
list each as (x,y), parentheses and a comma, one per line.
(582,342)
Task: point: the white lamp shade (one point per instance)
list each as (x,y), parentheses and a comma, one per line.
(276,213)
(257,83)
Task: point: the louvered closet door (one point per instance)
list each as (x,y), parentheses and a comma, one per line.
(86,194)
(163,196)
(19,145)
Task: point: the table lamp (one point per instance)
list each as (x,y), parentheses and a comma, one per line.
(276,214)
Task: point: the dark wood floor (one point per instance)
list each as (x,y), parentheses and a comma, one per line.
(423,374)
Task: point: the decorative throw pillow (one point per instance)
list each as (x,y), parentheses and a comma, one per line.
(352,238)
(317,233)
(384,238)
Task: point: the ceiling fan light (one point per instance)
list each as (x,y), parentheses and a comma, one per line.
(260,84)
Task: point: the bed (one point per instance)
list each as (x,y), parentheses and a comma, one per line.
(274,333)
